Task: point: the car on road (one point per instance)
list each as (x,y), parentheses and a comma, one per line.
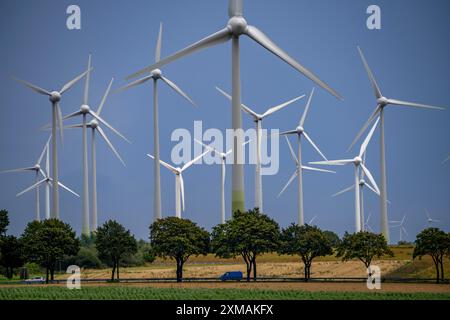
(232,276)
(38,280)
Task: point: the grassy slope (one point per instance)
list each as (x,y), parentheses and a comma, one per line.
(111,293)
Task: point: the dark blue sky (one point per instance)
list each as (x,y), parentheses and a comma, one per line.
(409,57)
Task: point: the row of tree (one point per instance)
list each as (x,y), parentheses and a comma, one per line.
(248,235)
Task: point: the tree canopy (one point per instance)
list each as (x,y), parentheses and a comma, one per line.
(178,239)
(247,234)
(113,243)
(306,241)
(12,254)
(47,242)
(4,222)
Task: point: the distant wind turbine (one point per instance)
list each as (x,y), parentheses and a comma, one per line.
(400,225)
(430,220)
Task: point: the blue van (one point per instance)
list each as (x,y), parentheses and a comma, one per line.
(232,275)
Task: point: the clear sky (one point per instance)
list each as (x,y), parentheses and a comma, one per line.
(409,57)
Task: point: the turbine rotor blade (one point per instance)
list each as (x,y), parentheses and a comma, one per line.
(190,163)
(371,179)
(292,151)
(288,183)
(37,184)
(18,170)
(72,115)
(60,123)
(314,145)
(68,189)
(158,44)
(343,191)
(317,169)
(333,162)
(86,84)
(182,190)
(268,44)
(375,86)
(178,90)
(135,83)
(108,125)
(102,103)
(165,164)
(308,104)
(288,132)
(372,188)
(33,87)
(110,145)
(281,106)
(369,121)
(364,145)
(413,104)
(71,83)
(243,106)
(217,38)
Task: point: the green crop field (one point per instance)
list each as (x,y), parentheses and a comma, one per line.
(136,293)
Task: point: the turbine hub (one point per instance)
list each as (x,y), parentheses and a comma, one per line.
(93,124)
(85,108)
(237,25)
(383,101)
(358,160)
(37,167)
(362,182)
(156,73)
(300,130)
(55,96)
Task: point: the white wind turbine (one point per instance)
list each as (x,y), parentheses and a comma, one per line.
(55,98)
(358,163)
(95,127)
(400,226)
(383,102)
(366,223)
(48,181)
(223,158)
(179,182)
(298,173)
(257,118)
(155,75)
(430,220)
(37,169)
(300,132)
(235,28)
(362,183)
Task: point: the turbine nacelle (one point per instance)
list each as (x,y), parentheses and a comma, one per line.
(357,160)
(383,101)
(156,74)
(55,96)
(93,124)
(237,25)
(362,183)
(85,109)
(37,167)
(300,129)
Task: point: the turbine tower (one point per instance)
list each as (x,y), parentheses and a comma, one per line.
(179,182)
(95,127)
(300,132)
(358,163)
(155,75)
(55,98)
(257,118)
(235,28)
(37,169)
(298,173)
(383,102)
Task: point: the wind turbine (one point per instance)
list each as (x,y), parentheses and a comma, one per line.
(383,102)
(37,170)
(298,173)
(366,223)
(179,182)
(400,226)
(312,220)
(430,221)
(300,132)
(257,118)
(55,98)
(155,75)
(47,181)
(362,183)
(95,127)
(358,163)
(235,28)
(223,158)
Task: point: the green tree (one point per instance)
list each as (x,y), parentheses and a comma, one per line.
(178,239)
(363,246)
(47,242)
(247,234)
(435,243)
(332,237)
(113,243)
(306,241)
(4,222)
(12,254)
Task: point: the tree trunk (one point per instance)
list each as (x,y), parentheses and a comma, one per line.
(52,273)
(46,277)
(118,267)
(113,270)
(309,270)
(436,264)
(442,269)
(179,270)
(254,268)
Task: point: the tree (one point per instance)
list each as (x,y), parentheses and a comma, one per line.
(306,241)
(4,222)
(247,234)
(113,243)
(178,239)
(364,246)
(332,237)
(435,243)
(12,254)
(47,242)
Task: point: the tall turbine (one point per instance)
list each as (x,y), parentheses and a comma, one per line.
(179,182)
(383,102)
(236,27)
(155,75)
(401,227)
(223,159)
(55,98)
(257,118)
(95,127)
(358,163)
(300,132)
(37,169)
(299,173)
